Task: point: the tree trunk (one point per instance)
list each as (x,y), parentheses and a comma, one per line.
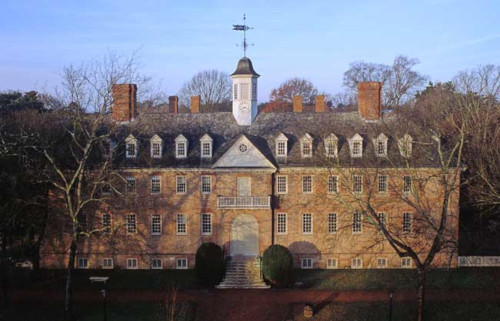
(68,295)
(420,294)
(3,271)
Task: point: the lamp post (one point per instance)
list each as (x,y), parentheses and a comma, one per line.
(391,294)
(103,280)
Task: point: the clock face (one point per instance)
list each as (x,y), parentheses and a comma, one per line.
(244,107)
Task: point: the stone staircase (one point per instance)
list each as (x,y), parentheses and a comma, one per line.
(243,272)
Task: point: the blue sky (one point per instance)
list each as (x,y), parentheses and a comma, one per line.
(312,39)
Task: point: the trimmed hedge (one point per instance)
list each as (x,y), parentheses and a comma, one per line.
(209,265)
(277,265)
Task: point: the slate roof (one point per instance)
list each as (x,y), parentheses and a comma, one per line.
(224,130)
(245,67)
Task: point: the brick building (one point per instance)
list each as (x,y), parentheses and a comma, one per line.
(246,180)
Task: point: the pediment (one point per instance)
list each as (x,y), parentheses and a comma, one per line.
(243,153)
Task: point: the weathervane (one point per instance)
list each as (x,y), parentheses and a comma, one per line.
(243,28)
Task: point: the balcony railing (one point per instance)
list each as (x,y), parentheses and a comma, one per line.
(247,202)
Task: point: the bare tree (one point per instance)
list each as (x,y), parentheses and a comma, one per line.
(213,86)
(482,80)
(294,87)
(360,71)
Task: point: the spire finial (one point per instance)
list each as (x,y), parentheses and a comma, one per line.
(244,28)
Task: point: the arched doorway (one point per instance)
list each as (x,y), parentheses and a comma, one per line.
(244,236)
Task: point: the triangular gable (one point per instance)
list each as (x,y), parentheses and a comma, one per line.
(243,153)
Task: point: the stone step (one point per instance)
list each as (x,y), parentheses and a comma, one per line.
(243,273)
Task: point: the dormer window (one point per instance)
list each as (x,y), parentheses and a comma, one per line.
(331,146)
(181,147)
(380,145)
(156,146)
(356,146)
(306,145)
(131,146)
(281,145)
(206,143)
(405,145)
(108,146)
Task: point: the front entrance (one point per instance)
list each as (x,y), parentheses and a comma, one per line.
(244,236)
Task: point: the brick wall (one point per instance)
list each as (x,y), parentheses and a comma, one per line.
(124,102)
(370,100)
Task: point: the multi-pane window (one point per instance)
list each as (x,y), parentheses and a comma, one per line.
(332,223)
(155,149)
(333,184)
(382,218)
(155,185)
(131,224)
(381,262)
(206,224)
(156,264)
(331,148)
(406,184)
(331,263)
(206,149)
(357,223)
(181,224)
(132,264)
(406,262)
(357,184)
(235,91)
(181,151)
(155,224)
(307,184)
(206,184)
(182,264)
(106,223)
(357,263)
(356,149)
(83,263)
(307,263)
(180,184)
(382,183)
(306,148)
(254,91)
(107,263)
(281,223)
(381,149)
(281,148)
(281,184)
(407,222)
(131,150)
(307,223)
(131,185)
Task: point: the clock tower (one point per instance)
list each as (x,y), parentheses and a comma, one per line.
(245,92)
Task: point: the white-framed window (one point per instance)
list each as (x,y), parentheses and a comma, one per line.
(281,148)
(206,184)
(83,263)
(235,91)
(356,146)
(357,223)
(381,262)
(107,263)
(281,184)
(332,263)
(130,147)
(382,183)
(131,224)
(156,146)
(155,185)
(331,146)
(405,146)
(206,224)
(156,264)
(106,189)
(332,223)
(181,146)
(357,184)
(357,263)
(380,145)
(382,218)
(106,223)
(155,224)
(130,185)
(206,146)
(180,185)
(306,146)
(181,224)
(307,223)
(406,184)
(281,225)
(333,184)
(132,264)
(307,263)
(406,262)
(182,264)
(407,222)
(307,184)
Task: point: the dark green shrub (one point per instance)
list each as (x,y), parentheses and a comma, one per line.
(277,265)
(209,265)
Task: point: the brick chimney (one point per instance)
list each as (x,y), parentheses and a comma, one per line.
(297,104)
(370,100)
(173,104)
(195,104)
(320,103)
(124,102)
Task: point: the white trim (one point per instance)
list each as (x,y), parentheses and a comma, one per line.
(109,267)
(160,267)
(278,224)
(82,260)
(151,222)
(332,266)
(381,266)
(202,223)
(179,180)
(177,224)
(356,263)
(312,184)
(307,263)
(181,266)
(210,184)
(132,266)
(406,263)
(312,224)
(278,184)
